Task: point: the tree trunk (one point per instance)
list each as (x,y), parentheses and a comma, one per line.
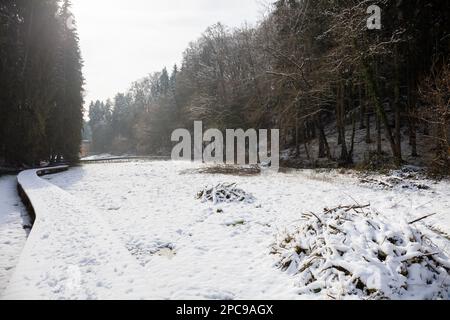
(362,109)
(305,142)
(338,115)
(312,130)
(373,92)
(411,106)
(341,111)
(368,135)
(324,148)
(27,48)
(413,136)
(379,145)
(397,107)
(297,135)
(352,144)
(321,147)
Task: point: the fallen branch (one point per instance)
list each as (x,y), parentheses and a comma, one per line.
(347,208)
(423,218)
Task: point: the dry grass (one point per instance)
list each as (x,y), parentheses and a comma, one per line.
(231,170)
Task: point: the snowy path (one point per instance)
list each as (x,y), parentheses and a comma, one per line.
(71,253)
(13,217)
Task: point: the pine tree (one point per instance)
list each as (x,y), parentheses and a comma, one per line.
(66,117)
(40,83)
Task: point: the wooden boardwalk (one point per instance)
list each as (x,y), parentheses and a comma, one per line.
(72,252)
(126,159)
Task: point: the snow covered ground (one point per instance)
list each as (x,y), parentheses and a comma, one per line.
(193,249)
(13,218)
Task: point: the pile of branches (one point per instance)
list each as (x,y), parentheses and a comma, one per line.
(224,192)
(353,252)
(232,170)
(393,183)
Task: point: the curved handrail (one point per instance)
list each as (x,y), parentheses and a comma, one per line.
(22,191)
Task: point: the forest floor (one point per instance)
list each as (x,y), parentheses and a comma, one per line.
(363,154)
(194,249)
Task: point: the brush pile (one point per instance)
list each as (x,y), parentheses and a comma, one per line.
(231,170)
(224,193)
(408,177)
(352,252)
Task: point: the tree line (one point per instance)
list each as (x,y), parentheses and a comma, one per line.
(41,83)
(314,70)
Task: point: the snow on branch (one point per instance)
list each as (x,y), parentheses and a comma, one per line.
(353,252)
(224,192)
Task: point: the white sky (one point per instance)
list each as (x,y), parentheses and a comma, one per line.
(124,40)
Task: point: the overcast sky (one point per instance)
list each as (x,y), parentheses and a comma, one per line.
(124,40)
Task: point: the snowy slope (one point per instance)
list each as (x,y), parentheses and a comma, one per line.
(362,149)
(195,249)
(13,217)
(71,253)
